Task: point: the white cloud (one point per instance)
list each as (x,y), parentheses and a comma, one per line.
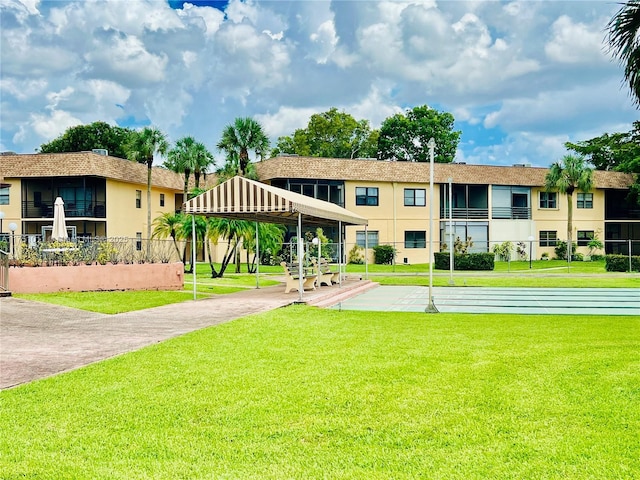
(124,59)
(574,43)
(520,77)
(50,125)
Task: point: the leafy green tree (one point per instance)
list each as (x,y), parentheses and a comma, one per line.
(624,40)
(186,157)
(404,136)
(141,147)
(567,175)
(331,134)
(238,138)
(617,151)
(83,138)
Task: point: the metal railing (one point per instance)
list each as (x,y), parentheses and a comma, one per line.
(515,213)
(93,209)
(466,213)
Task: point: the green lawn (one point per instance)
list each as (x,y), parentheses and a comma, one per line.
(307,393)
(111,302)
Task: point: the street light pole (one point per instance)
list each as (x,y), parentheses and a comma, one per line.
(530,247)
(451,255)
(431,308)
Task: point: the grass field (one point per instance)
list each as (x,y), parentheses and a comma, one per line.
(307,393)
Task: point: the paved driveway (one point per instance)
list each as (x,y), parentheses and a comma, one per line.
(38,339)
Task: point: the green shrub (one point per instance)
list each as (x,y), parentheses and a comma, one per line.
(384,254)
(355,255)
(620,263)
(561,250)
(465,261)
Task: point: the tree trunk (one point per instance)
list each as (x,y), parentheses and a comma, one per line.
(569,226)
(149,164)
(187,174)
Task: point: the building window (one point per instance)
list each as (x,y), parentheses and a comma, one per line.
(415,197)
(548,199)
(4,195)
(138,198)
(372,238)
(162,199)
(548,238)
(585,200)
(584,237)
(138,241)
(367,196)
(415,239)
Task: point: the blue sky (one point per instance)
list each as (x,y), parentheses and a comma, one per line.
(520,77)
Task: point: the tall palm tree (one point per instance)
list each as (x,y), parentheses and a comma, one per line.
(238,138)
(187,157)
(202,160)
(569,174)
(141,147)
(180,160)
(624,41)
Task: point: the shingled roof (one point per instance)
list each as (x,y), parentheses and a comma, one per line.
(413,172)
(85,164)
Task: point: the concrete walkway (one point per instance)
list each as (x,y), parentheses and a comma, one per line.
(38,340)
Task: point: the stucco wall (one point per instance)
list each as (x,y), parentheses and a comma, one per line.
(82,278)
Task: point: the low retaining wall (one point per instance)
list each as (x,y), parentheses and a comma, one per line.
(85,278)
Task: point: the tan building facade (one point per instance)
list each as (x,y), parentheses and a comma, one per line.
(489,204)
(106,196)
(103,195)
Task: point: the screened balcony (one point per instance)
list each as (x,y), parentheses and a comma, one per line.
(84,197)
(468,201)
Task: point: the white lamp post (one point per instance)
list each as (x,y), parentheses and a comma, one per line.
(451,256)
(431,308)
(13,227)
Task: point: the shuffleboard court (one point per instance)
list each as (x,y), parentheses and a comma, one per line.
(546,301)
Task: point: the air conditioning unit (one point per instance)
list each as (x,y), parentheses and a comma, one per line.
(101,151)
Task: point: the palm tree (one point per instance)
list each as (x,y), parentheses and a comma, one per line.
(180,160)
(170,225)
(238,138)
(270,238)
(569,174)
(141,147)
(624,41)
(189,156)
(202,160)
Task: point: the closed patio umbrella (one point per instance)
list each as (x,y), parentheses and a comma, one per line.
(59,223)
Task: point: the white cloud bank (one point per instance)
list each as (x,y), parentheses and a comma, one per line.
(520,77)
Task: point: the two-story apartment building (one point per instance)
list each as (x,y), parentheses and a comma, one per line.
(106,196)
(489,204)
(103,195)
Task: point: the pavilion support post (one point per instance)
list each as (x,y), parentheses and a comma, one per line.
(257,258)
(340,237)
(193,252)
(300,258)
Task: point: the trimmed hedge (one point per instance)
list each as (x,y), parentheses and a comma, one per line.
(464,261)
(620,263)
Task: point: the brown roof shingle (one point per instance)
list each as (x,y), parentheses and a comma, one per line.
(85,164)
(414,172)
